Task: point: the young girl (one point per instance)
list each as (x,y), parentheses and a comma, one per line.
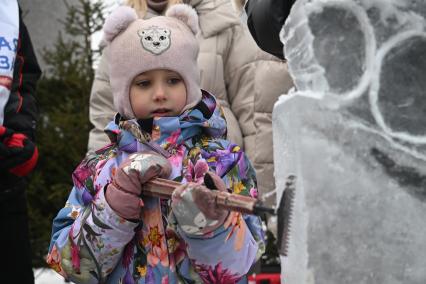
(245,80)
(108,231)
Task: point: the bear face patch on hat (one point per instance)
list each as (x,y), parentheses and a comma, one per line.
(155,39)
(163,42)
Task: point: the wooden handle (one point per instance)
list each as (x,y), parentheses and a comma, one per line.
(235,202)
(164,188)
(159,187)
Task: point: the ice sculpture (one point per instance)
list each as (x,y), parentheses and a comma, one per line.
(354,134)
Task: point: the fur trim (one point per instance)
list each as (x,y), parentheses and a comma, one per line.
(238,5)
(118,21)
(186,14)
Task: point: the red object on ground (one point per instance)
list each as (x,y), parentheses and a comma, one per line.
(270,278)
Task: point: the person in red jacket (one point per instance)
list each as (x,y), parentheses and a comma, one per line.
(19,72)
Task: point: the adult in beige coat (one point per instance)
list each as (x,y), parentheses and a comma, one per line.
(246,80)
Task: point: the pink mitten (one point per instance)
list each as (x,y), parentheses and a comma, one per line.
(194,206)
(123,194)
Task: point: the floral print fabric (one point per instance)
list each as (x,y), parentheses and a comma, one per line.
(92,244)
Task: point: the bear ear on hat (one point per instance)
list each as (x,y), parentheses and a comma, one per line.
(186,14)
(118,21)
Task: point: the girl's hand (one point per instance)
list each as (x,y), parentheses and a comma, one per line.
(123,194)
(194,206)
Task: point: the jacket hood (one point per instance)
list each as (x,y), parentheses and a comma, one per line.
(238,5)
(214,16)
(168,132)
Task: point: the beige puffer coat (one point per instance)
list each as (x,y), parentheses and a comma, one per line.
(246,80)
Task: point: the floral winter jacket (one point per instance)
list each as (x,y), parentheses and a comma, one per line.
(92,244)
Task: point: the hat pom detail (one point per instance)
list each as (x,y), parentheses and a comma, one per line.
(186,14)
(118,21)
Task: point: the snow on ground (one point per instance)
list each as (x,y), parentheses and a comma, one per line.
(48,276)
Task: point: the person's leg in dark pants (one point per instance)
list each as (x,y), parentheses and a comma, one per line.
(16,265)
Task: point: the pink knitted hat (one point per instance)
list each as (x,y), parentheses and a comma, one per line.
(163,42)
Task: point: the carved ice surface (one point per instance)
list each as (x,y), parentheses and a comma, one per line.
(354,133)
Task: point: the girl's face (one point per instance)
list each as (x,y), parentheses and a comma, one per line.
(157,93)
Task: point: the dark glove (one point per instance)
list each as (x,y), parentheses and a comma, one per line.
(123,194)
(194,206)
(18,154)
